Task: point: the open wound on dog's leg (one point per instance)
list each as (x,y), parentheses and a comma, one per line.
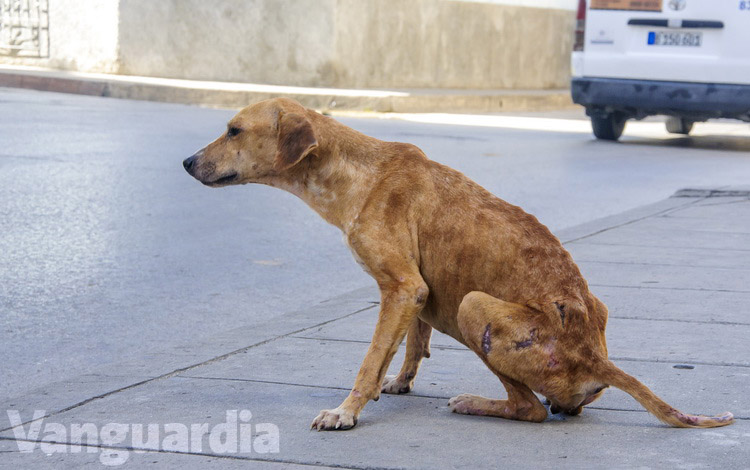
(527,342)
(487,339)
(561,309)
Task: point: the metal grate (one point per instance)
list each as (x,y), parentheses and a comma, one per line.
(24,28)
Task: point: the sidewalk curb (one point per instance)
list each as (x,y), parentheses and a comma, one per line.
(681,198)
(237,95)
(739,191)
(587,229)
(105,381)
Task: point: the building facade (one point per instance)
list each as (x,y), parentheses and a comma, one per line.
(499,44)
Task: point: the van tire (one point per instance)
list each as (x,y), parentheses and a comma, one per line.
(676,125)
(608,126)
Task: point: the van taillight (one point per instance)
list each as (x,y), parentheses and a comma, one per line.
(580,26)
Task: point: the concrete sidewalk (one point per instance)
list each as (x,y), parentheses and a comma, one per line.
(675,275)
(238,95)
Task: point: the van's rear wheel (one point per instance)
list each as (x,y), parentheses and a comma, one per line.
(677,125)
(608,126)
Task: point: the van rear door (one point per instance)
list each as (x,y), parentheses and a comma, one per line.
(705,41)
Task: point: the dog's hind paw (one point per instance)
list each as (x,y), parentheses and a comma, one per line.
(334,420)
(395,385)
(467,404)
(475,405)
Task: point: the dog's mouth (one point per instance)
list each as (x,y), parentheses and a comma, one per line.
(223,180)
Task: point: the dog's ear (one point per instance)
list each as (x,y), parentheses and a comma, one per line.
(296,140)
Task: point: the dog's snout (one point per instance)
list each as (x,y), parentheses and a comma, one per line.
(189,163)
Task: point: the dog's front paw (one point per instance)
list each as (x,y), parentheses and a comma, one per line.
(394,384)
(331,420)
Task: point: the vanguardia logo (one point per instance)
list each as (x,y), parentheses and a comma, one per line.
(115,441)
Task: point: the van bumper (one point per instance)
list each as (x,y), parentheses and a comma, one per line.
(641,98)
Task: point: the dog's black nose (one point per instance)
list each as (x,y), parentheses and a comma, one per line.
(189,163)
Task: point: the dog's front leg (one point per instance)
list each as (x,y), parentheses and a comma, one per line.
(401,301)
(417,348)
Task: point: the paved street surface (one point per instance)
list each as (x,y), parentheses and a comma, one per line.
(131,294)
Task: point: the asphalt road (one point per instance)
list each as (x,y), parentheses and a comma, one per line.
(110,251)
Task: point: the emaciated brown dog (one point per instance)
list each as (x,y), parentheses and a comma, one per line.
(446,254)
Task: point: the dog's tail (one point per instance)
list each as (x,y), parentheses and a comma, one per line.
(612,375)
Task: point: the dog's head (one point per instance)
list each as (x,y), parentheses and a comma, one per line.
(263,141)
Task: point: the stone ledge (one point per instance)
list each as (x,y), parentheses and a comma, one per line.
(738,191)
(237,95)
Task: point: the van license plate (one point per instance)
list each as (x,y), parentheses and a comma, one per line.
(669,38)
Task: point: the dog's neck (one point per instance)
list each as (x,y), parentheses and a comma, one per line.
(335,180)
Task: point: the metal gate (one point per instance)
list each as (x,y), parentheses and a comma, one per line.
(24,28)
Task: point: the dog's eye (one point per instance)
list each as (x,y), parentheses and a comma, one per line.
(233,131)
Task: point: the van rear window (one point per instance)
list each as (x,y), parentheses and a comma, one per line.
(636,5)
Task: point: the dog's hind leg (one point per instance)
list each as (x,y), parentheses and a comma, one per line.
(504,335)
(521,404)
(521,345)
(417,348)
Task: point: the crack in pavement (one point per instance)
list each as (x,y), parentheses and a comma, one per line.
(197,454)
(183,369)
(638,219)
(678,265)
(616,358)
(635,245)
(681,320)
(696,289)
(406,395)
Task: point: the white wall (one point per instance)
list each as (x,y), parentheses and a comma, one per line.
(83,36)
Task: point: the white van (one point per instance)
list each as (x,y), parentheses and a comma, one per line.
(687,59)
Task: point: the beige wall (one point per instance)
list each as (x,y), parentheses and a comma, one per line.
(261,41)
(427,43)
(337,43)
